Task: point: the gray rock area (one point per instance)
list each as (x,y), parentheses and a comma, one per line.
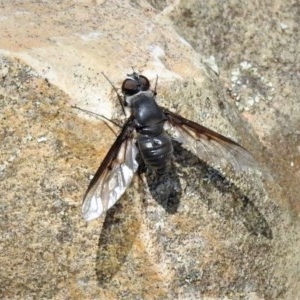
(202,233)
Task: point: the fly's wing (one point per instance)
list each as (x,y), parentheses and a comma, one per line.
(113,176)
(207,144)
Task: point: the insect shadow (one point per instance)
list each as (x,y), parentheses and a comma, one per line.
(118,233)
(122,221)
(205,178)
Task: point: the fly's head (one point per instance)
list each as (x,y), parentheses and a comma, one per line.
(134,84)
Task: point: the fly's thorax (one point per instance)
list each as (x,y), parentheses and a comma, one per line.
(145,110)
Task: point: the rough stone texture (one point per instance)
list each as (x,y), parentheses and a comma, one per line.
(226,235)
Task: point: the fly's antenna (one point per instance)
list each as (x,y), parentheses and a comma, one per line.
(120,98)
(155,87)
(135,75)
(133,70)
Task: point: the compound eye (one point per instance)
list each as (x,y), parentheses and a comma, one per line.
(130,87)
(144,83)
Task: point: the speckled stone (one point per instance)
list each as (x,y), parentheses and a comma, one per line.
(222,235)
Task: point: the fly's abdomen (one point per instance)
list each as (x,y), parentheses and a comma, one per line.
(156,151)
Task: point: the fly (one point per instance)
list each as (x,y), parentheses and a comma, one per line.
(149,131)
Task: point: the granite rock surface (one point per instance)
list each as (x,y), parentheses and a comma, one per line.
(232,67)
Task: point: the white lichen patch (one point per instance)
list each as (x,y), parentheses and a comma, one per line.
(249,87)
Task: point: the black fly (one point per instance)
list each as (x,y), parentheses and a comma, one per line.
(145,132)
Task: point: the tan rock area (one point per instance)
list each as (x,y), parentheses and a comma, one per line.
(216,234)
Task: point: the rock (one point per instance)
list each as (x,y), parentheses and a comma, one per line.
(221,234)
